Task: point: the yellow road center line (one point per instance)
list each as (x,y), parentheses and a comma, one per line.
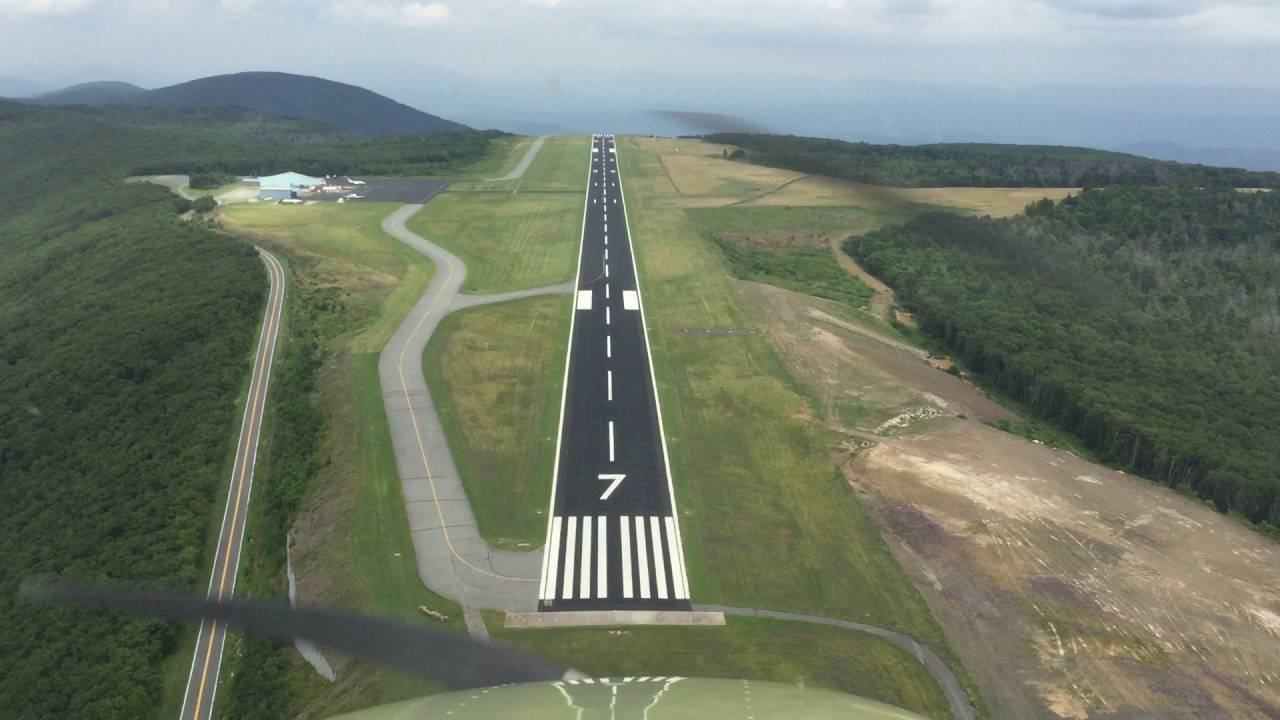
(268,330)
(422,450)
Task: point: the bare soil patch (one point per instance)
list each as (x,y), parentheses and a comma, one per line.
(1069,590)
(1076,591)
(861,377)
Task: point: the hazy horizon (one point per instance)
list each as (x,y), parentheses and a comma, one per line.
(1188,72)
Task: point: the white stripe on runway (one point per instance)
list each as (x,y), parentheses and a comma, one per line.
(606,227)
(602,558)
(608,346)
(642,558)
(610,444)
(606,253)
(584,299)
(606,291)
(681,590)
(606,269)
(625,525)
(584,590)
(606,315)
(570,547)
(610,377)
(547,591)
(630,301)
(659,564)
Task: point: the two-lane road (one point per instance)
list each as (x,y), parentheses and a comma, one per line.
(202,682)
(613,539)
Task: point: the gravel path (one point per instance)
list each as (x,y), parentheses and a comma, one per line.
(961,709)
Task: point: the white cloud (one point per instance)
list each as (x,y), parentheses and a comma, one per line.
(400,14)
(43,7)
(543,3)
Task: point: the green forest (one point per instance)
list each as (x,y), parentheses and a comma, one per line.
(971,164)
(1144,320)
(126,335)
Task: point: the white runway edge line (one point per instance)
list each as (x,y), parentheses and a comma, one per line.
(549,558)
(677,544)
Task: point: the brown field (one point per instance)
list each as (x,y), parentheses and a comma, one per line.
(996,202)
(1069,590)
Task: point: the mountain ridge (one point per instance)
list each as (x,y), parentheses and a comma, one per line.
(347,107)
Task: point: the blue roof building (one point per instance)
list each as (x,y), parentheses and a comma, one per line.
(285,185)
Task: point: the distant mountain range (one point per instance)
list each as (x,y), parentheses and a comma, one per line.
(343,106)
(104,92)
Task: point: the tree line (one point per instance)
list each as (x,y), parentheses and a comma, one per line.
(981,165)
(126,333)
(1143,320)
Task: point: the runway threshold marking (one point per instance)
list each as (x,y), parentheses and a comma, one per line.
(645,558)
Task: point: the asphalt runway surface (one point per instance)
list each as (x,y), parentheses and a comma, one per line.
(202,681)
(613,538)
(395,190)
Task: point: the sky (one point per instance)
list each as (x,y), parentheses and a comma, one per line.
(478,59)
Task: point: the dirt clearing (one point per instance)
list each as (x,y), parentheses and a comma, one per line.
(1076,591)
(1070,590)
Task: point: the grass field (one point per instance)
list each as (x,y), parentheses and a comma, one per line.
(509,241)
(496,374)
(351,285)
(748,648)
(370,279)
(504,155)
(561,166)
(768,519)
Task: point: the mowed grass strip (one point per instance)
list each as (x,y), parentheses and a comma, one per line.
(561,166)
(496,373)
(504,154)
(373,279)
(351,285)
(508,241)
(751,648)
(767,518)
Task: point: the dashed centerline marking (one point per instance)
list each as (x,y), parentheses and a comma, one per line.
(611,458)
(610,376)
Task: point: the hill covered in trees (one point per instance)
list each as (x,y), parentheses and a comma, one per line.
(964,164)
(343,106)
(126,334)
(1144,320)
(90,93)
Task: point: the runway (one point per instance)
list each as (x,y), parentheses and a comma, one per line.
(613,536)
(202,680)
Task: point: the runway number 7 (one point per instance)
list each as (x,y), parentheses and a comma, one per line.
(617,480)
